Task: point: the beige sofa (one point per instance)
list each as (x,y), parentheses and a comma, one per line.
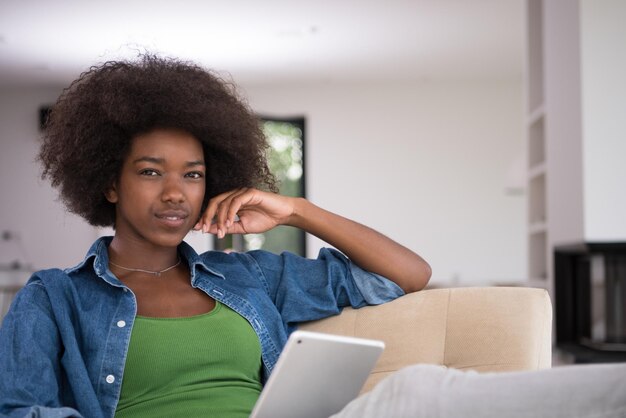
(483,329)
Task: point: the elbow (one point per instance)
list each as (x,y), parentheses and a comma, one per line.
(419,278)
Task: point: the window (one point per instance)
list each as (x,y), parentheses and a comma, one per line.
(286,162)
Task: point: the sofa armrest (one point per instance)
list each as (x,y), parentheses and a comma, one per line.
(482,329)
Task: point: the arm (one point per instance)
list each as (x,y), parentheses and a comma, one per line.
(30,351)
(260,211)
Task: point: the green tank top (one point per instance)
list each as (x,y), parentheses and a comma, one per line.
(200,366)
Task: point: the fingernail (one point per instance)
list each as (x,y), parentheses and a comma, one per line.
(228,223)
(220,234)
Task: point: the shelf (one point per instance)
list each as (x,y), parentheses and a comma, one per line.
(536,142)
(537,210)
(537,163)
(538,254)
(537,171)
(586,355)
(537,228)
(536,115)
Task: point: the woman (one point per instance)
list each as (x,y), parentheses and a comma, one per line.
(144,326)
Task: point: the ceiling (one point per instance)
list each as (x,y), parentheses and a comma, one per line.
(270,41)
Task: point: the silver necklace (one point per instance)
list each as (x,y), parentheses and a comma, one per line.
(156,273)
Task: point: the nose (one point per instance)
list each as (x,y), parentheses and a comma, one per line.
(173,190)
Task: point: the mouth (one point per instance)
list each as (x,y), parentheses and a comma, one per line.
(172,219)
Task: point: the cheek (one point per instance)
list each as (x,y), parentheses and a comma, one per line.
(136,197)
(198,198)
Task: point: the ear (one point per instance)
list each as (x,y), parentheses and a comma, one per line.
(111,194)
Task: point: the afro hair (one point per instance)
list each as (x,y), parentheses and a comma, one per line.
(90,128)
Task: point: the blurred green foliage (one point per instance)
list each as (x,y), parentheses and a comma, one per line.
(285,159)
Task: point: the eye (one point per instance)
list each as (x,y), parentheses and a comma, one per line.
(195,175)
(149,172)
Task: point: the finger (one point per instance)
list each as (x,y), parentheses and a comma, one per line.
(207,216)
(211,210)
(238,201)
(235,228)
(200,223)
(225,207)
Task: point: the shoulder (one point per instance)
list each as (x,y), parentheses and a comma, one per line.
(35,295)
(55,286)
(266,258)
(45,276)
(232,264)
(236,266)
(267,264)
(214,258)
(49,278)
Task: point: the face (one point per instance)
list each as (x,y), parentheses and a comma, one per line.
(159,193)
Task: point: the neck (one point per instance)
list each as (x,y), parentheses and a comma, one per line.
(141,255)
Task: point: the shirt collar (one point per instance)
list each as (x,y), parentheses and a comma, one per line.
(194,261)
(97,258)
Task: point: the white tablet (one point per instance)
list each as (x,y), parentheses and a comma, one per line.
(317,375)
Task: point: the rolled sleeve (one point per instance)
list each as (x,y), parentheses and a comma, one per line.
(374,288)
(309,289)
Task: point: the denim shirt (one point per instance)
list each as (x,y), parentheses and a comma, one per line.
(63,343)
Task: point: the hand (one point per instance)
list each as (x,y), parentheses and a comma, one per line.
(257,211)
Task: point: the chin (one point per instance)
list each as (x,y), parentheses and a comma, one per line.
(169,240)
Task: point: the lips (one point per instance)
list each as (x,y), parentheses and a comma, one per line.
(172,218)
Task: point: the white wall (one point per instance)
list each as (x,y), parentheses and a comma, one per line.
(425,163)
(48,236)
(603,57)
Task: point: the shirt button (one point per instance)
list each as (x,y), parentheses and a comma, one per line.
(125,290)
(121,324)
(110,378)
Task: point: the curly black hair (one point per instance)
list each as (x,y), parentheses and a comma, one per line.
(89,130)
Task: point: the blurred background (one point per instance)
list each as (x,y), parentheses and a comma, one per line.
(413,113)
(487,135)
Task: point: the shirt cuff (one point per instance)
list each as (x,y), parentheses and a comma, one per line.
(375,288)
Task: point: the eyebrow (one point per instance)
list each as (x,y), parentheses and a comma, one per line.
(161,161)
